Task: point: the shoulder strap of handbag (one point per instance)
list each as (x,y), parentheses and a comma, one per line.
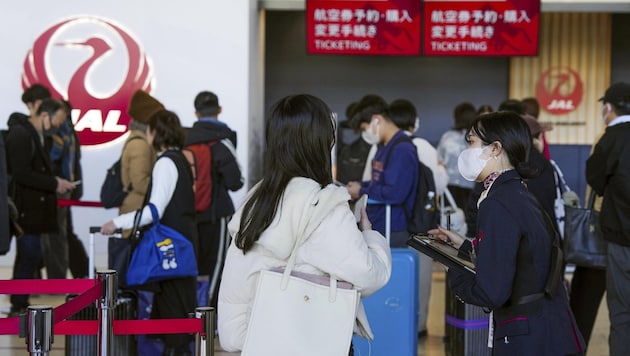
(136,230)
(556,260)
(561,183)
(332,294)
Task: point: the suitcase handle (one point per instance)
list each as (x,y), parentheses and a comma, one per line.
(97,229)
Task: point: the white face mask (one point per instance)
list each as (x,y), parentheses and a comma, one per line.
(372,134)
(605,113)
(470,163)
(416,125)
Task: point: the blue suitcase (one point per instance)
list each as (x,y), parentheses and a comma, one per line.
(393,311)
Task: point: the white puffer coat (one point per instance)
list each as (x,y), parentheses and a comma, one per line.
(332,244)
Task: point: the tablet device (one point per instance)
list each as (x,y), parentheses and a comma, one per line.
(442,252)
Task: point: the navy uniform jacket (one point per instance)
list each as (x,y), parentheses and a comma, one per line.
(513,250)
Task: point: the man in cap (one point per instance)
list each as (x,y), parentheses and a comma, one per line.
(608,173)
(208,133)
(138,156)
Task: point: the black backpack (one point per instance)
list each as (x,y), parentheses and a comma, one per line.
(112,191)
(351,161)
(425,215)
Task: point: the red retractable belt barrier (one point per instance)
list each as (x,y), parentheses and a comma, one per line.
(74,202)
(90,290)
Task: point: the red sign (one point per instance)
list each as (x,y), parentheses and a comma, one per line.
(363,27)
(559,90)
(481,28)
(108,66)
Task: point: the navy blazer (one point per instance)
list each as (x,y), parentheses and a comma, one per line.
(513,249)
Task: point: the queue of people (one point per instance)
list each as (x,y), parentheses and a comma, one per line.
(496,164)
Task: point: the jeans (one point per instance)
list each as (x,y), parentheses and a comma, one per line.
(27,260)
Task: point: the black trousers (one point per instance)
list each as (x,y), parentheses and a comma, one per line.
(175,300)
(587,289)
(212,247)
(78,261)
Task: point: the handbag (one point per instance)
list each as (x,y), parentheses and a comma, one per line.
(583,243)
(296,315)
(162,253)
(452,217)
(564,196)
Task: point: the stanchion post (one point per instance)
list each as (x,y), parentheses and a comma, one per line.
(204,341)
(39,337)
(106,307)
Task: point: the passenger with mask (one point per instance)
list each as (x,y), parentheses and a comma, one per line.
(516,277)
(33,188)
(394,172)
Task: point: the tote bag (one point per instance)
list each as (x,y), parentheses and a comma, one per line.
(162,253)
(295,316)
(583,243)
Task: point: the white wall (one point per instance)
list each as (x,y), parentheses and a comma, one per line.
(194,45)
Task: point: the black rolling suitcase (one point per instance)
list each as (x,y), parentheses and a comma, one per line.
(126,309)
(466,328)
(87,345)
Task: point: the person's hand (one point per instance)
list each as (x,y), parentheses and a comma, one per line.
(450,237)
(353,189)
(64,186)
(108,228)
(571,199)
(365,223)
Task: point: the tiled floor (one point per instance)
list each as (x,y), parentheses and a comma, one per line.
(432,345)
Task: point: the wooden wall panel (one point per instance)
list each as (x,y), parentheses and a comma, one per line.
(574,51)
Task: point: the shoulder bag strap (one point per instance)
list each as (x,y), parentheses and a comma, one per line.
(291,263)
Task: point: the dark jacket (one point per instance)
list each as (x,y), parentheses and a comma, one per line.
(33,184)
(394,182)
(608,173)
(180,211)
(226,173)
(513,249)
(5,234)
(543,186)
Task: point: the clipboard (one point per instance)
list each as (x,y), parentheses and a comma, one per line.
(442,252)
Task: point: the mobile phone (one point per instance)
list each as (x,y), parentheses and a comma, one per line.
(76,182)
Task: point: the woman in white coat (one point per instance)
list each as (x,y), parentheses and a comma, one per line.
(297,185)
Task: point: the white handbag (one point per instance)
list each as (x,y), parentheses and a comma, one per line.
(456,214)
(564,196)
(292,315)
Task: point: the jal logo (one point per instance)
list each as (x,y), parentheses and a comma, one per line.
(96,65)
(559,90)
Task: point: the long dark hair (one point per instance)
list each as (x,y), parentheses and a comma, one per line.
(512,132)
(300,133)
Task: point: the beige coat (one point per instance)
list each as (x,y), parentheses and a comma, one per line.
(136,164)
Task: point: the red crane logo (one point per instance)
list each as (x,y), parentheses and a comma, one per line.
(95,65)
(559,90)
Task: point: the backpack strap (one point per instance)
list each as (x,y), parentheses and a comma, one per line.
(402,139)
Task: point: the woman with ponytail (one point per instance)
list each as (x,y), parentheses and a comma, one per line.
(516,273)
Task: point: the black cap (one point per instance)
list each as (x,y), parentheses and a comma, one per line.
(617,94)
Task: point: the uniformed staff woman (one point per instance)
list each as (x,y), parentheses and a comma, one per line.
(513,246)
